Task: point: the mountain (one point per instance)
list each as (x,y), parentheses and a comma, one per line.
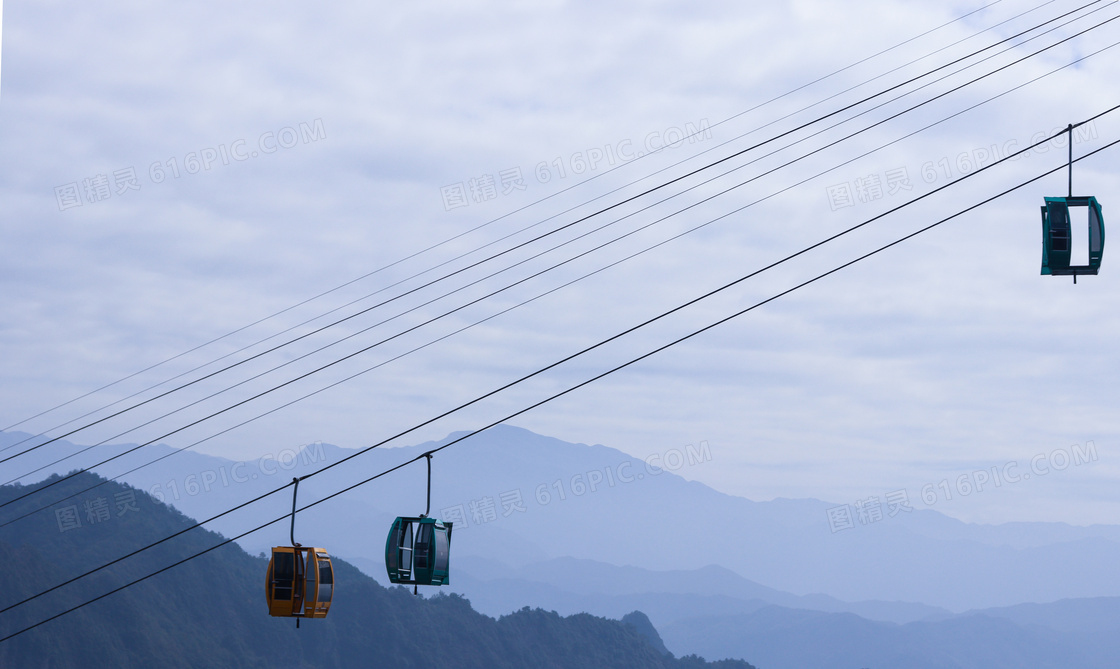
(732,616)
(519,498)
(709,609)
(570,585)
(210,611)
(780,638)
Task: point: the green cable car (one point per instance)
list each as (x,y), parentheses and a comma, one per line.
(417,551)
(1057,236)
(1057,230)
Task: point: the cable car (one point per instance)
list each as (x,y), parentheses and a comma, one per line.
(1057,236)
(299,583)
(417,551)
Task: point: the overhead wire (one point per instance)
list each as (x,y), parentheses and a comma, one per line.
(506,215)
(588,381)
(575,222)
(367,348)
(553,290)
(811,105)
(440,337)
(733,316)
(375,306)
(827,240)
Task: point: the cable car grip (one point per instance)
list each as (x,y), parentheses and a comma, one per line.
(295,491)
(1069,141)
(428,506)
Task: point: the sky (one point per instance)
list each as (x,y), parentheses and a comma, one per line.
(173,176)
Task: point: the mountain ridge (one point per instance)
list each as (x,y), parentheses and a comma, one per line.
(563,512)
(210,611)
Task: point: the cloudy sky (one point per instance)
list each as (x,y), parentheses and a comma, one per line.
(173,173)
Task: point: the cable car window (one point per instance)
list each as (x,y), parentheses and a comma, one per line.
(1060,240)
(312,577)
(1079,224)
(393,548)
(441,550)
(1094,230)
(299,590)
(283,569)
(1059,226)
(405,543)
(326,581)
(423,546)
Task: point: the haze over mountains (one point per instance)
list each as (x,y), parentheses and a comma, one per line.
(572,527)
(210,610)
(560,503)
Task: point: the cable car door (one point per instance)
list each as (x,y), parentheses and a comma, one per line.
(398,551)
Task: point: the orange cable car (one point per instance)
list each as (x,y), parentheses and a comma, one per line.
(300,580)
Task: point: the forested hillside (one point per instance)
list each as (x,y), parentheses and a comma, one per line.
(211,611)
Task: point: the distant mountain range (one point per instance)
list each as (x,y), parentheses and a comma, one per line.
(571,527)
(211,611)
(737,618)
(526,498)
(572,585)
(781,638)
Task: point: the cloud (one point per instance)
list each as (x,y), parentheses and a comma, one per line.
(947,348)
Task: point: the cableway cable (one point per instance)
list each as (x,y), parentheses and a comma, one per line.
(450,239)
(584,218)
(569,260)
(572,388)
(601,375)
